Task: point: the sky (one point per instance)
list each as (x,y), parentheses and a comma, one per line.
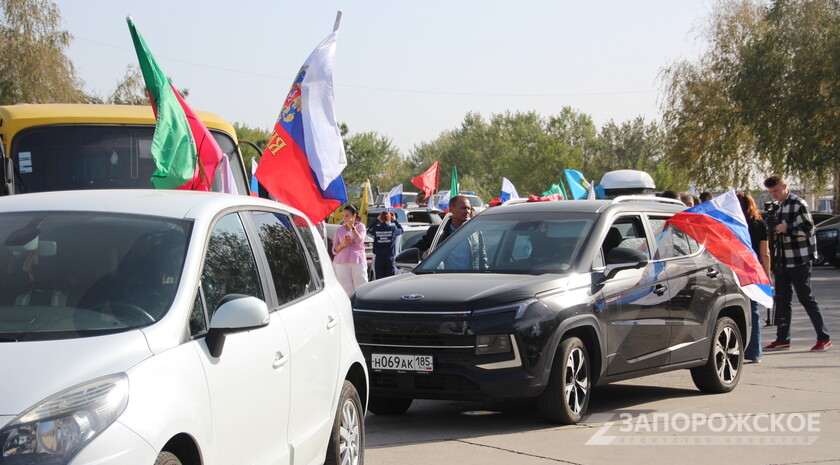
(407,70)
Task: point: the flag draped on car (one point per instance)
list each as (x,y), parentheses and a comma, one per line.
(720,226)
(255,185)
(428,181)
(508,191)
(180,138)
(302,163)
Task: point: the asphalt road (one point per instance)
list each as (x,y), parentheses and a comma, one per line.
(786,410)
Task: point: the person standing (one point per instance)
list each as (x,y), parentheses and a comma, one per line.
(758,237)
(350,263)
(385,231)
(796,247)
(461,210)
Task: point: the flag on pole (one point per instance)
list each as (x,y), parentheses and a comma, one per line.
(591,195)
(720,226)
(173,147)
(443,200)
(394,197)
(364,202)
(554,189)
(255,185)
(508,191)
(455,186)
(577,184)
(302,162)
(428,181)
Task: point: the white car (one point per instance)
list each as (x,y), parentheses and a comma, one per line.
(168,327)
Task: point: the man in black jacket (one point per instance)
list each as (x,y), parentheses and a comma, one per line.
(461,211)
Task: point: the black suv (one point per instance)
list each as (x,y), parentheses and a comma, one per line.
(548,299)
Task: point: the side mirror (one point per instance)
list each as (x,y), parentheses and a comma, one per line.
(235,313)
(620,258)
(408,259)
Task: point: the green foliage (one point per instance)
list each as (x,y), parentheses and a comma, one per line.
(765,97)
(532,151)
(34,68)
(789,87)
(373,157)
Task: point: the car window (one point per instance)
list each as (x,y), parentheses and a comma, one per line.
(229,267)
(670,241)
(542,243)
(290,270)
(302,227)
(626,233)
(77,274)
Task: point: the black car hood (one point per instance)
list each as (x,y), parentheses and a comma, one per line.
(448,292)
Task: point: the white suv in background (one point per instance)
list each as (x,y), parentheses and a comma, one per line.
(171,327)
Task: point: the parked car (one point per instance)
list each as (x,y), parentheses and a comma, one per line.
(546,300)
(418,215)
(821,217)
(172,327)
(412,232)
(828,238)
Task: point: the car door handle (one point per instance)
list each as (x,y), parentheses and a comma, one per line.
(331,321)
(659,289)
(713,273)
(280,359)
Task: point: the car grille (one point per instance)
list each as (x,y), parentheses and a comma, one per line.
(417,340)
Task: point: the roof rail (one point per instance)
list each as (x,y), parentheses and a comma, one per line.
(646,198)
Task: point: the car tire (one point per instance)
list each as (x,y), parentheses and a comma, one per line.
(723,370)
(167,458)
(389,405)
(566,397)
(347,440)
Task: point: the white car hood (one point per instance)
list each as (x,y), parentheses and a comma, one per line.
(35,370)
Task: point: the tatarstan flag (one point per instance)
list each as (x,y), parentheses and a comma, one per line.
(180,137)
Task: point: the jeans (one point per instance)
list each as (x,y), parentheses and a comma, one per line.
(384,266)
(753,351)
(796,278)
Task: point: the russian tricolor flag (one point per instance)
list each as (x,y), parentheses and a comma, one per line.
(508,191)
(720,226)
(302,162)
(394,197)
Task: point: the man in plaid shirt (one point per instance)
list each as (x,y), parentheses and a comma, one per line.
(796,246)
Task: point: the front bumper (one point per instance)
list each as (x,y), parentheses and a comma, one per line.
(450,338)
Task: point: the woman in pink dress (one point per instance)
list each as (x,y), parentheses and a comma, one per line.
(350,263)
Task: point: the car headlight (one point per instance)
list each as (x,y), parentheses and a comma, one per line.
(518,309)
(54,430)
(492,344)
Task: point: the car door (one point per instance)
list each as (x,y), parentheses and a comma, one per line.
(311,320)
(250,382)
(694,281)
(635,302)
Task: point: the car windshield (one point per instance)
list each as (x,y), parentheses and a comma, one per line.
(77,274)
(547,242)
(73,157)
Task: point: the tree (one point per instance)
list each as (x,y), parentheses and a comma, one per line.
(763,98)
(252,134)
(789,88)
(706,138)
(373,157)
(34,68)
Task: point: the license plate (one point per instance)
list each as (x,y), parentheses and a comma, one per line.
(402,362)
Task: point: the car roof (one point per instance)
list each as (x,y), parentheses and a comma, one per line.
(623,203)
(166,203)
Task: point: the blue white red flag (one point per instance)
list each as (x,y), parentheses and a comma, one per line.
(255,185)
(508,191)
(302,162)
(394,197)
(720,226)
